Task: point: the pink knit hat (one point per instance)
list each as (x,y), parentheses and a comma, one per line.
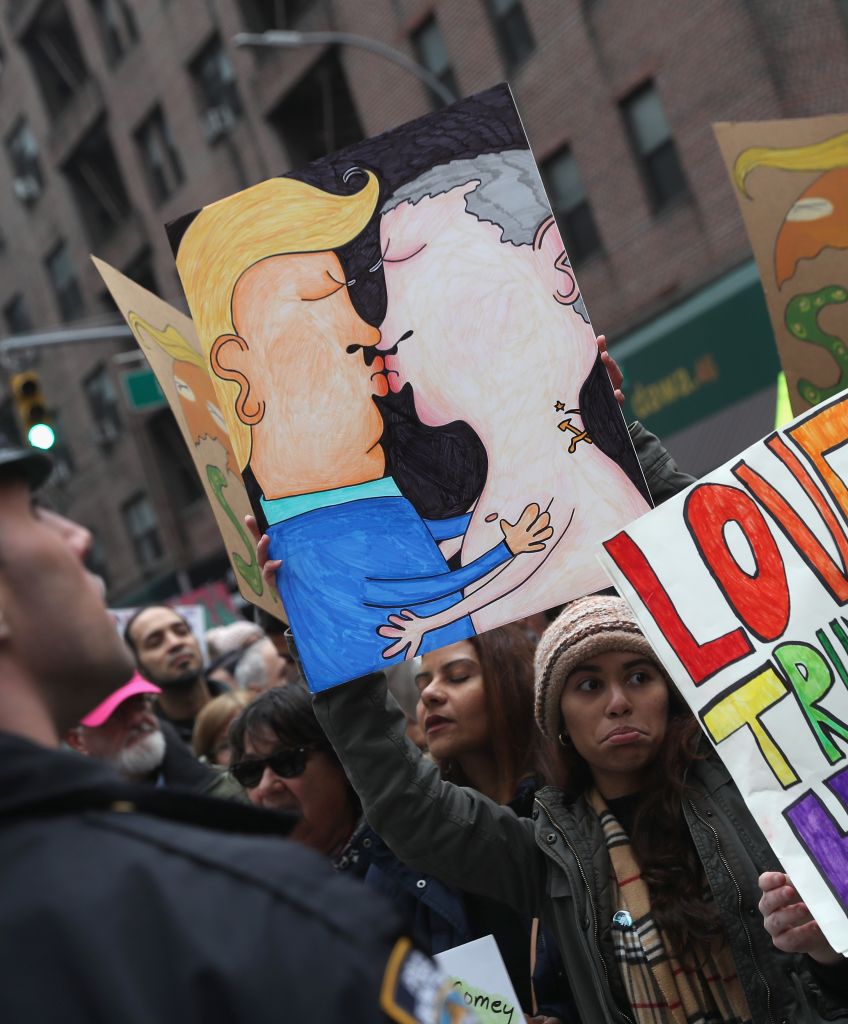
(586,627)
(104,711)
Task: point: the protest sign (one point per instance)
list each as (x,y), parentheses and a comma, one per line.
(480,977)
(168,340)
(408,376)
(791,181)
(741,583)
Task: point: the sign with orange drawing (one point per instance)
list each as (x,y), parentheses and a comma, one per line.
(412,388)
(791,180)
(168,340)
(741,585)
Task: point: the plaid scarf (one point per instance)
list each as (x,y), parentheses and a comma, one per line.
(661,988)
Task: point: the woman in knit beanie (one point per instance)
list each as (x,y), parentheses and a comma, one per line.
(643,860)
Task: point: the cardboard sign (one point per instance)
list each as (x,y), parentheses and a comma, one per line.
(411,388)
(791,180)
(168,340)
(480,977)
(741,585)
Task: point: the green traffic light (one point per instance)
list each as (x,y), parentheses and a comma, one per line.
(42,436)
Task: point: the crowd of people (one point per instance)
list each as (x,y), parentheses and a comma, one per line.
(203,839)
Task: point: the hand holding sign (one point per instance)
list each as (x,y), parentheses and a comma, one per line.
(789,922)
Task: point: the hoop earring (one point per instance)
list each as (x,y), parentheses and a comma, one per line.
(563,739)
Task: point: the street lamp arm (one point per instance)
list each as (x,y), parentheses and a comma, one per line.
(293,39)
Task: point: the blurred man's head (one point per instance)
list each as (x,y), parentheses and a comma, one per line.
(166,651)
(260,667)
(124,731)
(59,651)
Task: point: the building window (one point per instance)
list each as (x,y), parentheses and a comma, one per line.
(512,31)
(97,184)
(318,115)
(179,473)
(66,286)
(55,56)
(571,205)
(103,404)
(159,156)
(429,45)
(653,143)
(216,89)
(140,522)
(16,315)
(141,271)
(116,23)
(262,15)
(22,147)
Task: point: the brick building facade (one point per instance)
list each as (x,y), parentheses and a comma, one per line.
(119,115)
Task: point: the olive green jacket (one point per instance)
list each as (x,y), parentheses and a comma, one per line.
(556,865)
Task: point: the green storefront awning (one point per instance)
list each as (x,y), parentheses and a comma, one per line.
(705,354)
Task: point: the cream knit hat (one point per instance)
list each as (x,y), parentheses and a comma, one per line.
(586,627)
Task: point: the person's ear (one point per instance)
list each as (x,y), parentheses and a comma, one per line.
(230,360)
(555,265)
(5,630)
(75,738)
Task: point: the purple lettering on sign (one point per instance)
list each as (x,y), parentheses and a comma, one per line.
(820,835)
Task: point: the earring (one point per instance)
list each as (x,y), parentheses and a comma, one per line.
(564,739)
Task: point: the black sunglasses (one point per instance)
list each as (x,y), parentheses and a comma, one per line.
(288,764)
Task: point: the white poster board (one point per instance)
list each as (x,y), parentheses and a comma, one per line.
(741,585)
(480,977)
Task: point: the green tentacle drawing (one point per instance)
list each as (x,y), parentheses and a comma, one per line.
(249,571)
(801,320)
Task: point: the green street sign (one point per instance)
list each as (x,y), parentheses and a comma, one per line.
(142,389)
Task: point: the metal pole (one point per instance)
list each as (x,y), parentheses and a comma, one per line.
(64,335)
(294,39)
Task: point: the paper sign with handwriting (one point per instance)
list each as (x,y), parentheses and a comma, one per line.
(741,585)
(481,979)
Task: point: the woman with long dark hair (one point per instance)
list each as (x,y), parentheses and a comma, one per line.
(644,862)
(475,708)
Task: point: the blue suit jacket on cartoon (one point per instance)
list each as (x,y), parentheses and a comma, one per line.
(355,555)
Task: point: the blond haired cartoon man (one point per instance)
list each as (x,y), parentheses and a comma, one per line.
(272,308)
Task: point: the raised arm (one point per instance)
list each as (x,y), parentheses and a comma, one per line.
(456,834)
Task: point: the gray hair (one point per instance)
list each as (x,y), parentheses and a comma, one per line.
(250,671)
(509,195)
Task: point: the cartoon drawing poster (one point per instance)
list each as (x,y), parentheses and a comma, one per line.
(411,387)
(167,338)
(791,180)
(741,584)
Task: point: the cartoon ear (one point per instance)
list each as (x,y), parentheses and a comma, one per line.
(549,245)
(228,363)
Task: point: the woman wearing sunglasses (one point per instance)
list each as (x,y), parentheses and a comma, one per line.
(282,758)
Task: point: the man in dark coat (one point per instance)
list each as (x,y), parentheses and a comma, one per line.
(133,904)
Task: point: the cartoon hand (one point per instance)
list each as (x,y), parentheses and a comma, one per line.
(613,369)
(268,565)
(530,532)
(407,630)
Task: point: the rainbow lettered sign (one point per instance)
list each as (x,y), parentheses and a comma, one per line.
(741,585)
